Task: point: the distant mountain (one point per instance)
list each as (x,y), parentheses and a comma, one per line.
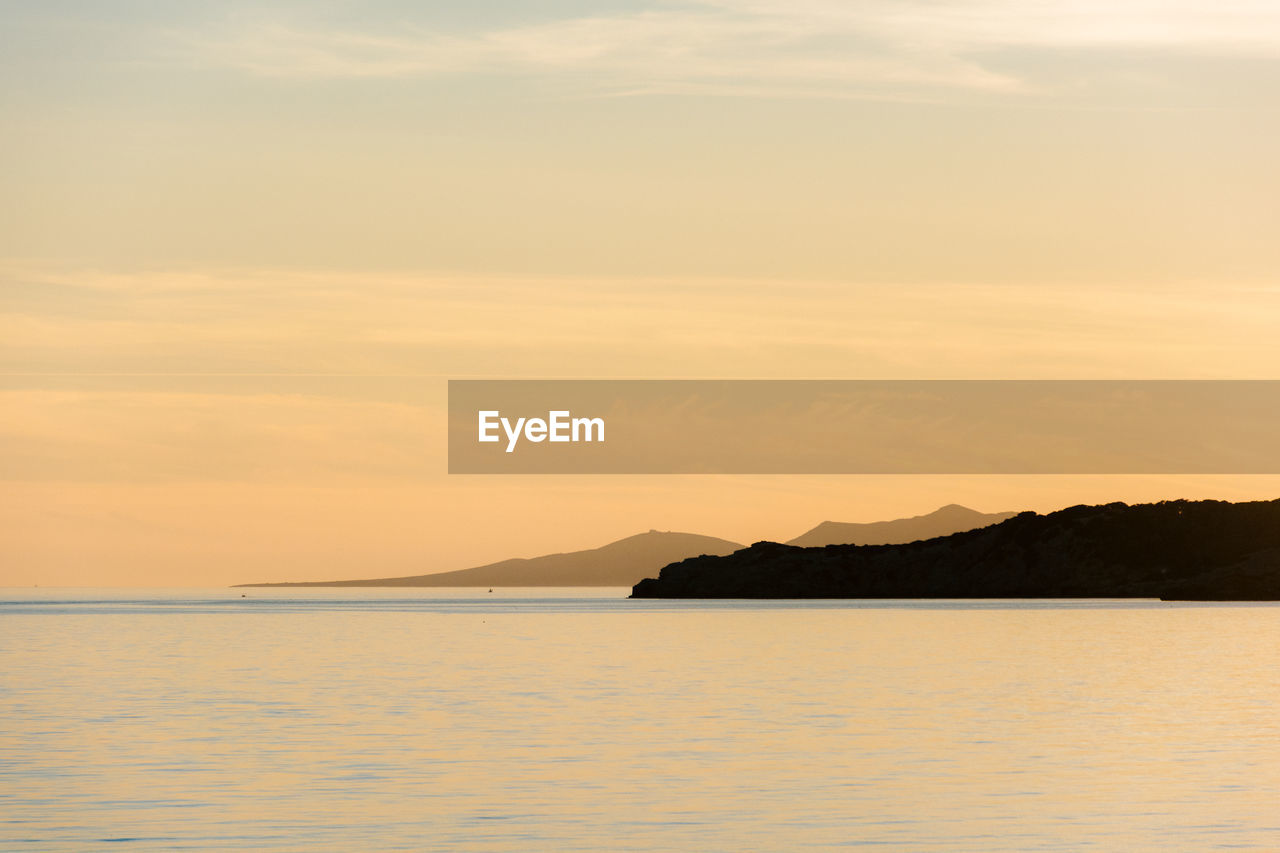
(951,518)
(620,563)
(1177,550)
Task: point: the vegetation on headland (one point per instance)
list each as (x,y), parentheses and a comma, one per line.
(1176,550)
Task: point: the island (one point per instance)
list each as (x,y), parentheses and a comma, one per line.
(616,564)
(1171,550)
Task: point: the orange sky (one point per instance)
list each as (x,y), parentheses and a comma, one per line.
(241,251)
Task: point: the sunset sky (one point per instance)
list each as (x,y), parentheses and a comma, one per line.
(244,245)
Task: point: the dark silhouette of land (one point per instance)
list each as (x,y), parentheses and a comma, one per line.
(951,518)
(619,563)
(1174,550)
(626,561)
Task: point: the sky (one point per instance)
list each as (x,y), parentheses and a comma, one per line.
(243,246)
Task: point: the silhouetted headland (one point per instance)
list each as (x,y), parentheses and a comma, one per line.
(1173,550)
(951,518)
(619,563)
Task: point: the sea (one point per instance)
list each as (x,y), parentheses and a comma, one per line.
(577,719)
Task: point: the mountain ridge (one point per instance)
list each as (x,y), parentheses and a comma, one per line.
(618,563)
(952,518)
(614,564)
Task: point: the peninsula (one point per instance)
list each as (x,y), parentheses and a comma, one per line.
(1173,550)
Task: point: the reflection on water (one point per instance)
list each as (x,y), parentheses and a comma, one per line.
(341,719)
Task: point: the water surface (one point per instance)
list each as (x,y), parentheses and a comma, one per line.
(345,719)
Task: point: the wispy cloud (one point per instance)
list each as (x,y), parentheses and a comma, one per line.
(813,47)
(242,324)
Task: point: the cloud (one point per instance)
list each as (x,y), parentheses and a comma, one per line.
(806,47)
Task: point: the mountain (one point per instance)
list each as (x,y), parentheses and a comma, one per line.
(619,563)
(1176,550)
(951,518)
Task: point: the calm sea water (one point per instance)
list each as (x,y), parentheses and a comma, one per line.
(578,720)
